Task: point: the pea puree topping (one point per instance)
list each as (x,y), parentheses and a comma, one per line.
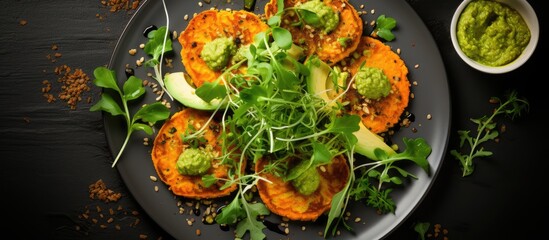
(194,161)
(216,53)
(308,181)
(372,83)
(329,19)
(492,33)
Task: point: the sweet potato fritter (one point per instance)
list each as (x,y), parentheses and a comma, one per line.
(380,115)
(284,199)
(168,146)
(209,25)
(315,41)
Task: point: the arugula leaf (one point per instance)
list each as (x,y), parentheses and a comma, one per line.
(132,89)
(250,223)
(231,213)
(486,130)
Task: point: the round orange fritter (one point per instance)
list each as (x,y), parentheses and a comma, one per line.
(314,41)
(209,25)
(284,199)
(382,114)
(168,145)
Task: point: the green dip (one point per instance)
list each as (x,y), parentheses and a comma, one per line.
(216,53)
(328,18)
(194,161)
(492,33)
(372,83)
(308,181)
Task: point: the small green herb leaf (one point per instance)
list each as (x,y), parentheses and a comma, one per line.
(338,202)
(309,17)
(384,27)
(209,180)
(155,44)
(107,104)
(105,78)
(143,127)
(133,88)
(512,107)
(152,113)
(249,5)
(282,37)
(159,43)
(231,213)
(209,91)
(321,154)
(421,228)
(417,150)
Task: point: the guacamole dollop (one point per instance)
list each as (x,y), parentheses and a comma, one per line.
(217,53)
(194,161)
(308,181)
(240,54)
(328,18)
(492,33)
(372,83)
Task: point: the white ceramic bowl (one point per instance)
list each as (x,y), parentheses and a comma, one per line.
(529,16)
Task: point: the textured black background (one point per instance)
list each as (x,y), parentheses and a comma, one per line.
(51,154)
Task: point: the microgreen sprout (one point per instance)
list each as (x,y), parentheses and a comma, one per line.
(486,130)
(132,90)
(159,43)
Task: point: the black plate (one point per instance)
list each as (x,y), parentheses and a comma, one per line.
(420,53)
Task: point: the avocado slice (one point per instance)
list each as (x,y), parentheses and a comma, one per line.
(317,83)
(178,86)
